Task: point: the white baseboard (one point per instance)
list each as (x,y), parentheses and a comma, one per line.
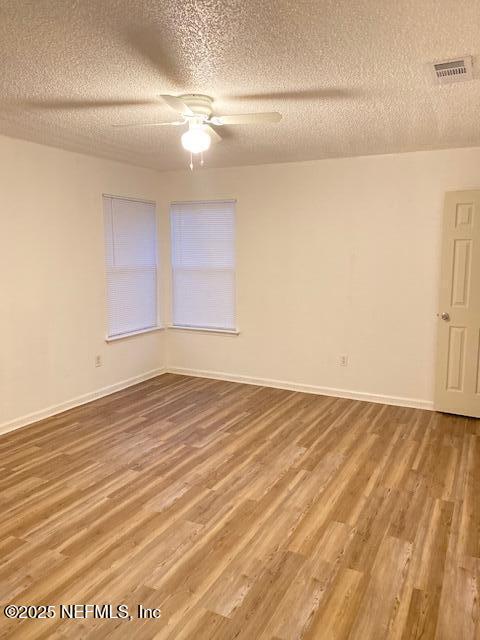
(215,375)
(79,400)
(398,401)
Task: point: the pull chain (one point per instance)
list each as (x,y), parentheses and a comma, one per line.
(201,159)
(191,161)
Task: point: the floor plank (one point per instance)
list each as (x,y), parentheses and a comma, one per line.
(243,512)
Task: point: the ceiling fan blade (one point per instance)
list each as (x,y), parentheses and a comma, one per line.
(177,105)
(177,123)
(214,135)
(247,118)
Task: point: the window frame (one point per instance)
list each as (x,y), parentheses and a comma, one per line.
(197,328)
(159,326)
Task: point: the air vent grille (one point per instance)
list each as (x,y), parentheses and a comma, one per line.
(449,71)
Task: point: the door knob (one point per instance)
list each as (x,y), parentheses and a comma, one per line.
(445,316)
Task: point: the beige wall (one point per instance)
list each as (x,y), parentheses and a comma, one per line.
(52,302)
(334,257)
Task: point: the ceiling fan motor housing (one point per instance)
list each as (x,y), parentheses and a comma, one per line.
(200,105)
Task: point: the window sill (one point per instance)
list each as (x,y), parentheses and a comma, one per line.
(228,332)
(132,333)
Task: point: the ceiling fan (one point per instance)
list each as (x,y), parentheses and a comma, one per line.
(196,111)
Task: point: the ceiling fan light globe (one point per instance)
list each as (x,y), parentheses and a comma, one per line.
(196,140)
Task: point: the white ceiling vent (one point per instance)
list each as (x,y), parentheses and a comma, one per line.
(449,71)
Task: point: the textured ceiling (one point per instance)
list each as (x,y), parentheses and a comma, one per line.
(348,75)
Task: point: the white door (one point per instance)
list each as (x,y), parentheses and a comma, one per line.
(457,388)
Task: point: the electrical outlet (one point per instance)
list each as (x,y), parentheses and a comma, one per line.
(98,361)
(343,360)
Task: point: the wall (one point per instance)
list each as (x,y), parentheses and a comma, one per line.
(52,309)
(334,257)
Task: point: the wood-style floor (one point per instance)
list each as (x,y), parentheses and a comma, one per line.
(243,512)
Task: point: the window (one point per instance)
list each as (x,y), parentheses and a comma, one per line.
(131,265)
(203,264)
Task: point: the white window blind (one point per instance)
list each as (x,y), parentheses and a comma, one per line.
(203,264)
(131,265)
